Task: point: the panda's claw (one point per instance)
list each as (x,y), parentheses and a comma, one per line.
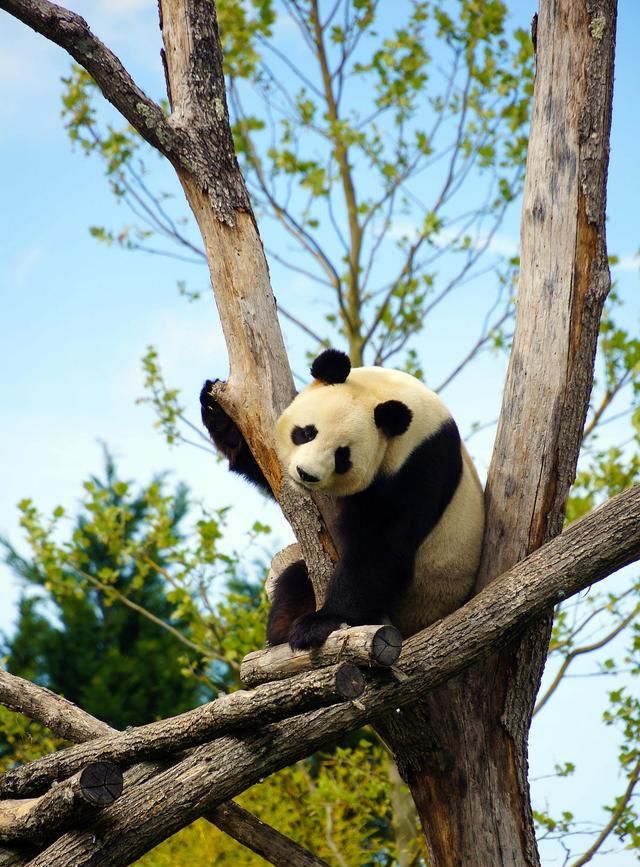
(214,418)
(312,630)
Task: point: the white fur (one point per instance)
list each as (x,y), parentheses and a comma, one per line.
(448,559)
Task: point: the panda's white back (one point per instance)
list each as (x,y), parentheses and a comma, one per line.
(448,559)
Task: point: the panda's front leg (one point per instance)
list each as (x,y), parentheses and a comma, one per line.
(362,591)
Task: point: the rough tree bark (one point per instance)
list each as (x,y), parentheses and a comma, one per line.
(309,690)
(463,751)
(361,645)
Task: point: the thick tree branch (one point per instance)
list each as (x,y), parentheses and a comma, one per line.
(53,711)
(361,645)
(585,553)
(216,193)
(241,709)
(72,33)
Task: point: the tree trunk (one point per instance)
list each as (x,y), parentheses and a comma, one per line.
(463,750)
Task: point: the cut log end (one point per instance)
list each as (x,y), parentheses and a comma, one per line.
(39,820)
(386,646)
(101,783)
(350,681)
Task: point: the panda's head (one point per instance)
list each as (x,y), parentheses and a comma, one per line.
(334,435)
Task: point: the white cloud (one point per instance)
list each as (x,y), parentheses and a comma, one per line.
(499,243)
(30,69)
(628,263)
(20,270)
(95,11)
(285,28)
(17,43)
(191,348)
(502,245)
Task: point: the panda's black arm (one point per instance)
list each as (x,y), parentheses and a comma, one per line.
(362,590)
(229,441)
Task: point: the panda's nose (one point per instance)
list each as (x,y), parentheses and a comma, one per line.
(306,477)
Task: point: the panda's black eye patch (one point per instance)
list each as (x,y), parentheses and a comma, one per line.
(301,435)
(343,459)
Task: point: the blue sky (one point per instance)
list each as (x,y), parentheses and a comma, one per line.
(76,318)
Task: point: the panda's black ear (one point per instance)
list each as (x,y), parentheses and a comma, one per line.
(392,417)
(331,366)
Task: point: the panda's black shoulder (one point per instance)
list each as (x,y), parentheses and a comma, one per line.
(417,493)
(437,458)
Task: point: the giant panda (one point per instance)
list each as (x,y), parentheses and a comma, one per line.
(409,502)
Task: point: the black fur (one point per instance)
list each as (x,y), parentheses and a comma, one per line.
(392,417)
(331,366)
(380,531)
(301,435)
(342,459)
(293,597)
(229,441)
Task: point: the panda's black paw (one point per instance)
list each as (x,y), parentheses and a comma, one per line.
(213,416)
(312,630)
(221,428)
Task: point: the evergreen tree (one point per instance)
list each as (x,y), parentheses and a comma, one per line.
(118,665)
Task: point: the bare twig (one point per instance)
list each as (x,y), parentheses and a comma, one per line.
(144,612)
(616,813)
(580,651)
